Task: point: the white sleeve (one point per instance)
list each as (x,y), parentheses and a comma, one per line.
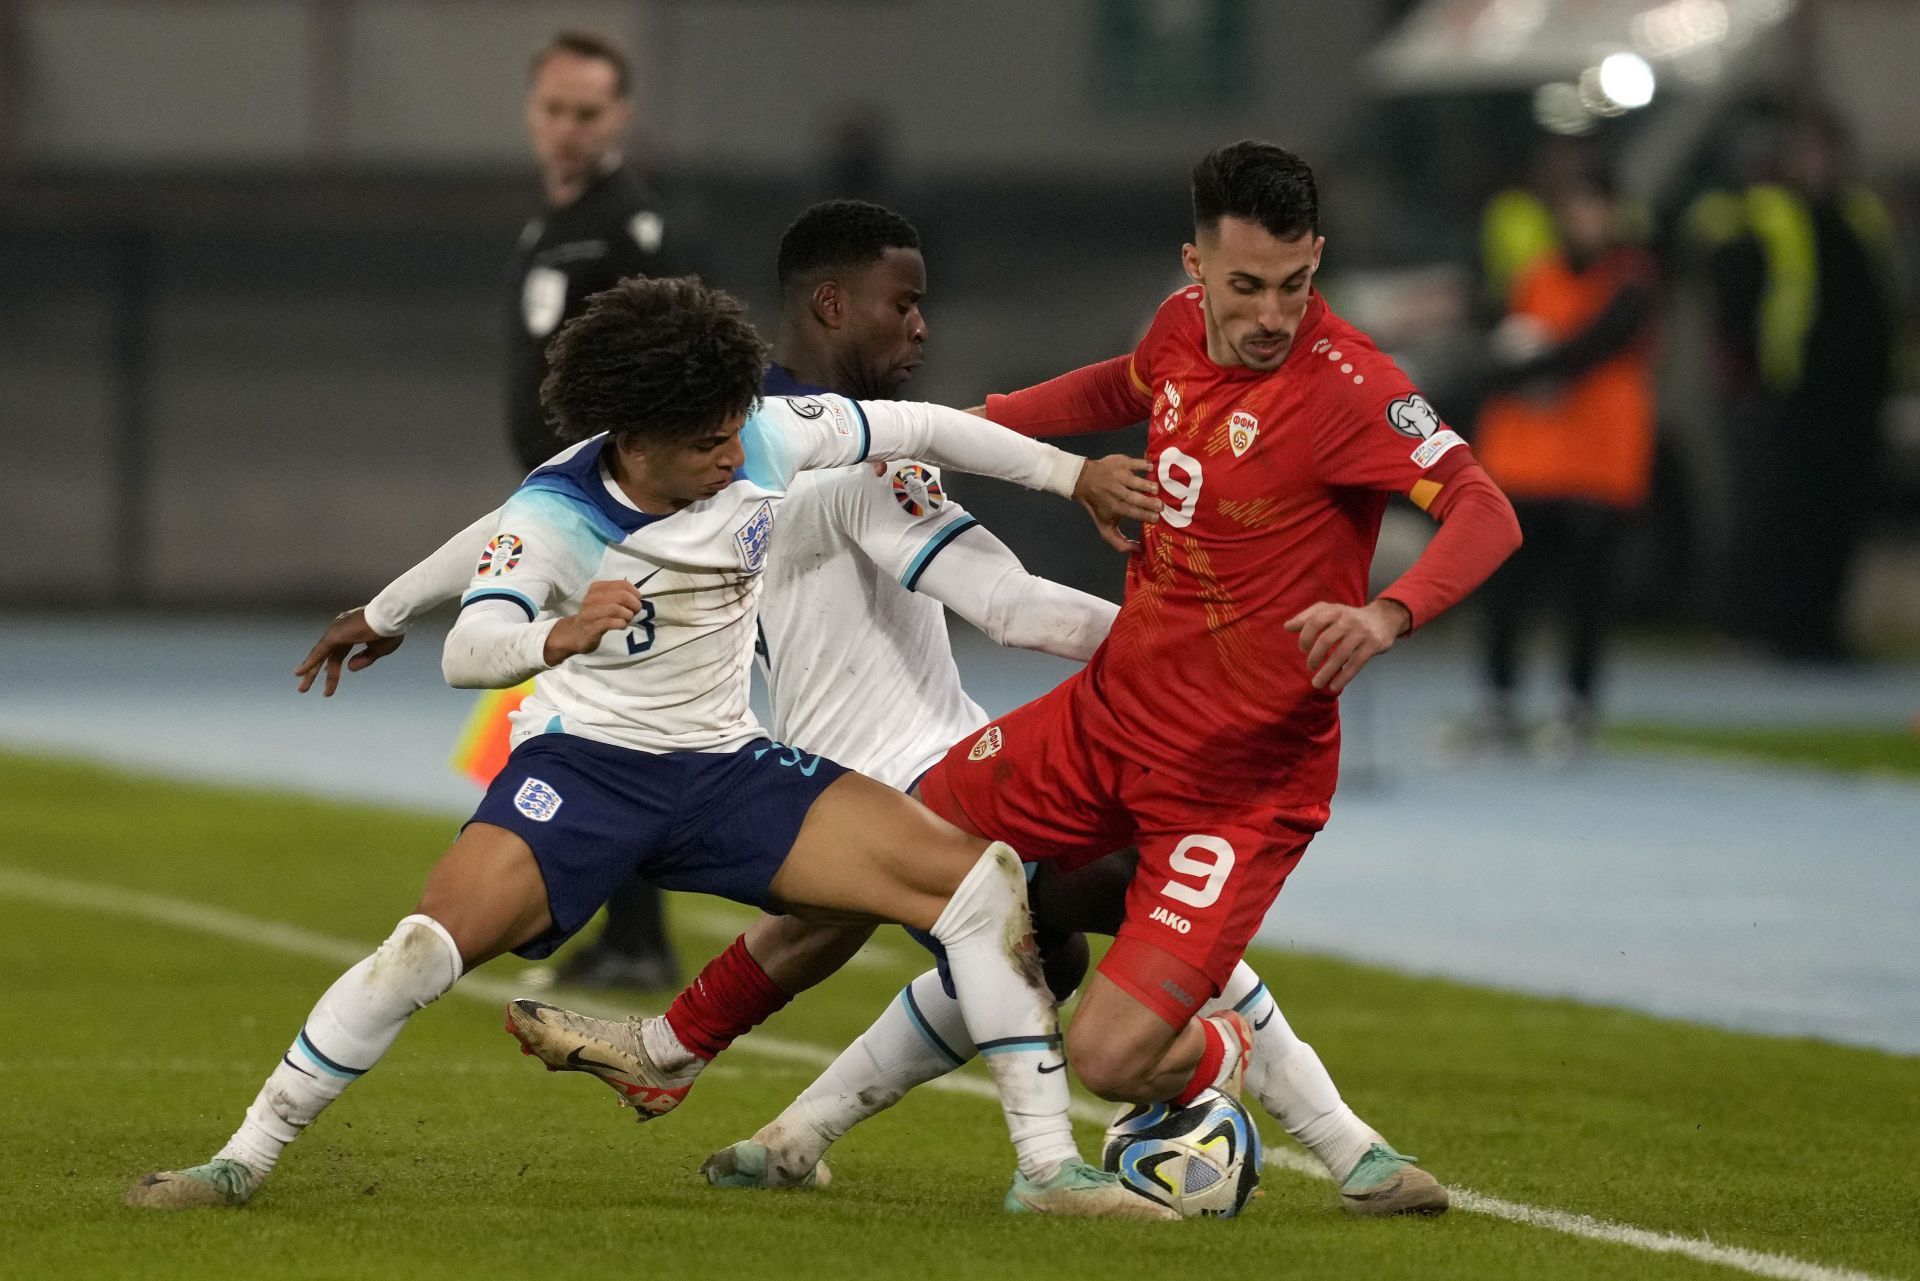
(951,438)
(543,555)
(906,525)
(493,646)
(979,578)
(436,580)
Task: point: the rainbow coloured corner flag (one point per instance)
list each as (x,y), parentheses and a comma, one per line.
(483,745)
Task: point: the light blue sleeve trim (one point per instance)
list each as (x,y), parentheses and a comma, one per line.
(500,593)
(933,547)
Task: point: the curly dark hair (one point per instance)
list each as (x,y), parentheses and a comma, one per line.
(1257,181)
(840,235)
(651,361)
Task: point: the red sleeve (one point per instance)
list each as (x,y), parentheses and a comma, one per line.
(1477,531)
(1372,429)
(1096,398)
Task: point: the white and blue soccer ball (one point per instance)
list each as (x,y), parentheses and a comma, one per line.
(1201,1160)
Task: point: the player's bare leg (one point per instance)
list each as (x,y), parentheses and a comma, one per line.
(651,1063)
(920,1036)
(484,897)
(1127,1053)
(867,852)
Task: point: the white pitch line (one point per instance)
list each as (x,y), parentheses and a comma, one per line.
(201,918)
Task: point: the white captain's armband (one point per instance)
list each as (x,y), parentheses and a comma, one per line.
(1434,447)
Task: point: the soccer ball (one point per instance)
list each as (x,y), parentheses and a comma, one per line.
(1201,1160)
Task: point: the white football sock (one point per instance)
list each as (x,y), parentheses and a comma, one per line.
(666,1050)
(921,1035)
(1291,1083)
(1008,1010)
(345,1035)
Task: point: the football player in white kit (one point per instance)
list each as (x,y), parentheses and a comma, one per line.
(874,557)
(637,750)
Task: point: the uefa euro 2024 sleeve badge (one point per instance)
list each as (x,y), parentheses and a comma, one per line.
(501,555)
(917,489)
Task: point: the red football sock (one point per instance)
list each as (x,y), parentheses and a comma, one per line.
(729,998)
(1207,1071)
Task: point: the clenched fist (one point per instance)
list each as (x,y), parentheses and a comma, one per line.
(609,606)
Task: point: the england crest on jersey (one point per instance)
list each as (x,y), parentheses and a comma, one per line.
(754,537)
(1241,429)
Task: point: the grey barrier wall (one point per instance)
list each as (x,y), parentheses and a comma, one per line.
(256,391)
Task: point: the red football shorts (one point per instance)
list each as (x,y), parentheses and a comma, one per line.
(1210,868)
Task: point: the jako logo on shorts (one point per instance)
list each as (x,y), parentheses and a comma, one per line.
(536,800)
(1173,921)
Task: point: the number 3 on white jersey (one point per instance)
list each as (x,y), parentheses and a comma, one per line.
(1207,857)
(1180,477)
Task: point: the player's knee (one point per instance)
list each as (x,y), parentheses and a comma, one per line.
(991,893)
(1107,1066)
(418,962)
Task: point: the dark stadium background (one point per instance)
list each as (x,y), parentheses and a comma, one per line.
(250,340)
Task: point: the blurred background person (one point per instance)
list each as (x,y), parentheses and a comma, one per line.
(599,223)
(1569,436)
(1517,226)
(1802,266)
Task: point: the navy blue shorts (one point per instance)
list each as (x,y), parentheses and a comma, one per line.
(595,815)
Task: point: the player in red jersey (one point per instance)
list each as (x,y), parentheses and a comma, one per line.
(1206,730)
(1201,731)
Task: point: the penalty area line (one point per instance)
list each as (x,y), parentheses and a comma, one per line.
(203,918)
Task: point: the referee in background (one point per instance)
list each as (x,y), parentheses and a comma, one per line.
(599,223)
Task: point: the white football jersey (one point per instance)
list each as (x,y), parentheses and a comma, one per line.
(859,667)
(676,680)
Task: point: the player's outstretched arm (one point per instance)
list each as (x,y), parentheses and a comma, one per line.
(378,627)
(1114,488)
(979,578)
(1102,397)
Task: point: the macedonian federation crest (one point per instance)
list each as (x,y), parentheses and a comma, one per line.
(1241,429)
(988,744)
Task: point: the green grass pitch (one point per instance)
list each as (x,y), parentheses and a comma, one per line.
(131,1045)
(1843,749)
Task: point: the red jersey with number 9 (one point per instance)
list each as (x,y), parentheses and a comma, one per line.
(1272,487)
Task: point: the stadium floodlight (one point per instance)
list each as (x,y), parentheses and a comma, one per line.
(1626,80)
